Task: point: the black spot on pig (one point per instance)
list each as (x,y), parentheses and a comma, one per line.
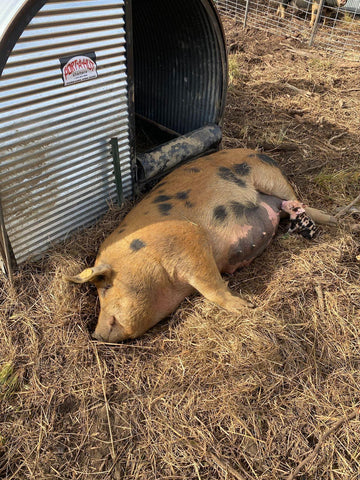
(137,245)
(242,169)
(188,204)
(183,195)
(266,159)
(226,174)
(161,198)
(238,209)
(164,208)
(220,213)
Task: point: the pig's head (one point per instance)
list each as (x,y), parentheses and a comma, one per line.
(123,310)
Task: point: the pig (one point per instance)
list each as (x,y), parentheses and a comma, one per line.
(305,6)
(210,216)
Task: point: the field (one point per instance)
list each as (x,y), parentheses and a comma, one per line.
(270,394)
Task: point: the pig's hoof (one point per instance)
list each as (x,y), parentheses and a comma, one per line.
(237,304)
(250,305)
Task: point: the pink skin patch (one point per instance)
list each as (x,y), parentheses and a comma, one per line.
(273,215)
(234,235)
(293,207)
(242,232)
(243,243)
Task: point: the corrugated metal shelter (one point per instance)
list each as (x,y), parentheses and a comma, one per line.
(352,6)
(88,89)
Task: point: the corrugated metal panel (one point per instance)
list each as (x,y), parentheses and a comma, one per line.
(353,6)
(56,170)
(179,63)
(8,12)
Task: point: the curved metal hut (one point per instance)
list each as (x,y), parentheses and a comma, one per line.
(95,97)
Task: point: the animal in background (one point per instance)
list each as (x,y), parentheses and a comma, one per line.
(305,5)
(210,216)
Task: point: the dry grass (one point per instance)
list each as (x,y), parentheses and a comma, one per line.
(206,394)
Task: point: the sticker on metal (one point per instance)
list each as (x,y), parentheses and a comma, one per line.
(78,68)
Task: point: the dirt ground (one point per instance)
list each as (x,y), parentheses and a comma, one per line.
(268,394)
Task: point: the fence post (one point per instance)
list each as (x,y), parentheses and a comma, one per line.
(246,12)
(314,28)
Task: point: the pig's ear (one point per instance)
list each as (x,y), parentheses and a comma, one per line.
(94,274)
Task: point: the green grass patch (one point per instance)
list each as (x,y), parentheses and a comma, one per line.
(9,380)
(342,182)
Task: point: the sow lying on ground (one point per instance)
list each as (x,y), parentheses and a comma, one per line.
(215,214)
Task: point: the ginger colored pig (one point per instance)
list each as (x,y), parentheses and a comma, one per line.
(212,215)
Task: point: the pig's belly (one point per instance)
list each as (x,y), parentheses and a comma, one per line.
(245,240)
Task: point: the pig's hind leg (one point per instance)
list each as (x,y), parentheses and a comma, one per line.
(320,217)
(267,177)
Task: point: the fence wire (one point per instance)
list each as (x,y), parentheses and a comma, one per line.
(329,24)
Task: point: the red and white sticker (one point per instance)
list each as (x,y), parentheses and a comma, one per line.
(78,68)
